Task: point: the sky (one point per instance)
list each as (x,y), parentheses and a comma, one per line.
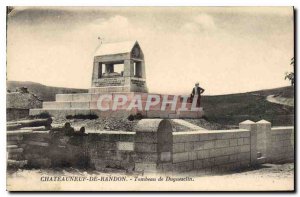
(225,49)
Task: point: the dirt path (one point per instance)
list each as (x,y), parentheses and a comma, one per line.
(268,177)
(281,100)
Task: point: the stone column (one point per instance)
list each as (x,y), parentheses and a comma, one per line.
(263,134)
(143,69)
(251,126)
(128,68)
(95,72)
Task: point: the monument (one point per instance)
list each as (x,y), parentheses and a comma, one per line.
(119,89)
(125,56)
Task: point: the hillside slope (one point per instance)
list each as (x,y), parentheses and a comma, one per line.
(46,93)
(234,108)
(228,109)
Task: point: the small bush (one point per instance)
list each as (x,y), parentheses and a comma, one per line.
(82,116)
(130,118)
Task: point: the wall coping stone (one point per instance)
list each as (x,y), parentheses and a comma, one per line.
(209,131)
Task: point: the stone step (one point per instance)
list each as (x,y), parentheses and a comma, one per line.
(120,113)
(15,150)
(167,106)
(12,146)
(15,163)
(15,156)
(90,97)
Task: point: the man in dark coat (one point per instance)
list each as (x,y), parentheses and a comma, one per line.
(197,90)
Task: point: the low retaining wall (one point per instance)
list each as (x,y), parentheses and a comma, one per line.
(280,145)
(211,151)
(154,147)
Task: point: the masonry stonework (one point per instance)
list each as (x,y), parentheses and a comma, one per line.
(153,147)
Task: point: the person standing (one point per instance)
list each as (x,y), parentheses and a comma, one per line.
(197,91)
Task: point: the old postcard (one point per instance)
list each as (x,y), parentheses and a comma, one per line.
(150,99)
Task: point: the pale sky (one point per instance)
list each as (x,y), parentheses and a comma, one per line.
(226,49)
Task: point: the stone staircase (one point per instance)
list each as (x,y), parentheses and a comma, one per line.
(87,104)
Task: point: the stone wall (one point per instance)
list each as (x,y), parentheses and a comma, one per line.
(211,151)
(111,150)
(280,145)
(154,147)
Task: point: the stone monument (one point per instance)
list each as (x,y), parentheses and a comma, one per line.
(131,77)
(119,75)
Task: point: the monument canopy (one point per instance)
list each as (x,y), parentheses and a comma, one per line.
(115,48)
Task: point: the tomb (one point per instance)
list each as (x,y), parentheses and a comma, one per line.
(119,67)
(119,89)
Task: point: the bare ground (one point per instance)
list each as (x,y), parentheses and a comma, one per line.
(267,177)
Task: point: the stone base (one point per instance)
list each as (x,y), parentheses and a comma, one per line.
(86,104)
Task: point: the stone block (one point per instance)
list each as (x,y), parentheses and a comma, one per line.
(240,141)
(146,157)
(208,162)
(127,137)
(246,141)
(192,155)
(183,166)
(224,135)
(80,105)
(199,145)
(82,97)
(198,164)
(147,137)
(203,154)
(244,156)
(14,137)
(233,142)
(178,147)
(165,156)
(233,158)
(221,160)
(185,138)
(207,136)
(245,148)
(209,144)
(63,97)
(15,150)
(221,143)
(35,143)
(145,167)
(145,147)
(56,105)
(109,145)
(173,116)
(188,147)
(180,157)
(125,146)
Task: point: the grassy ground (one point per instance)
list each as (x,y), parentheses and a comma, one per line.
(234,108)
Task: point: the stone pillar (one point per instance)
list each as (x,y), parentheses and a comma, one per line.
(251,126)
(95,72)
(128,68)
(138,69)
(263,134)
(143,69)
(153,145)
